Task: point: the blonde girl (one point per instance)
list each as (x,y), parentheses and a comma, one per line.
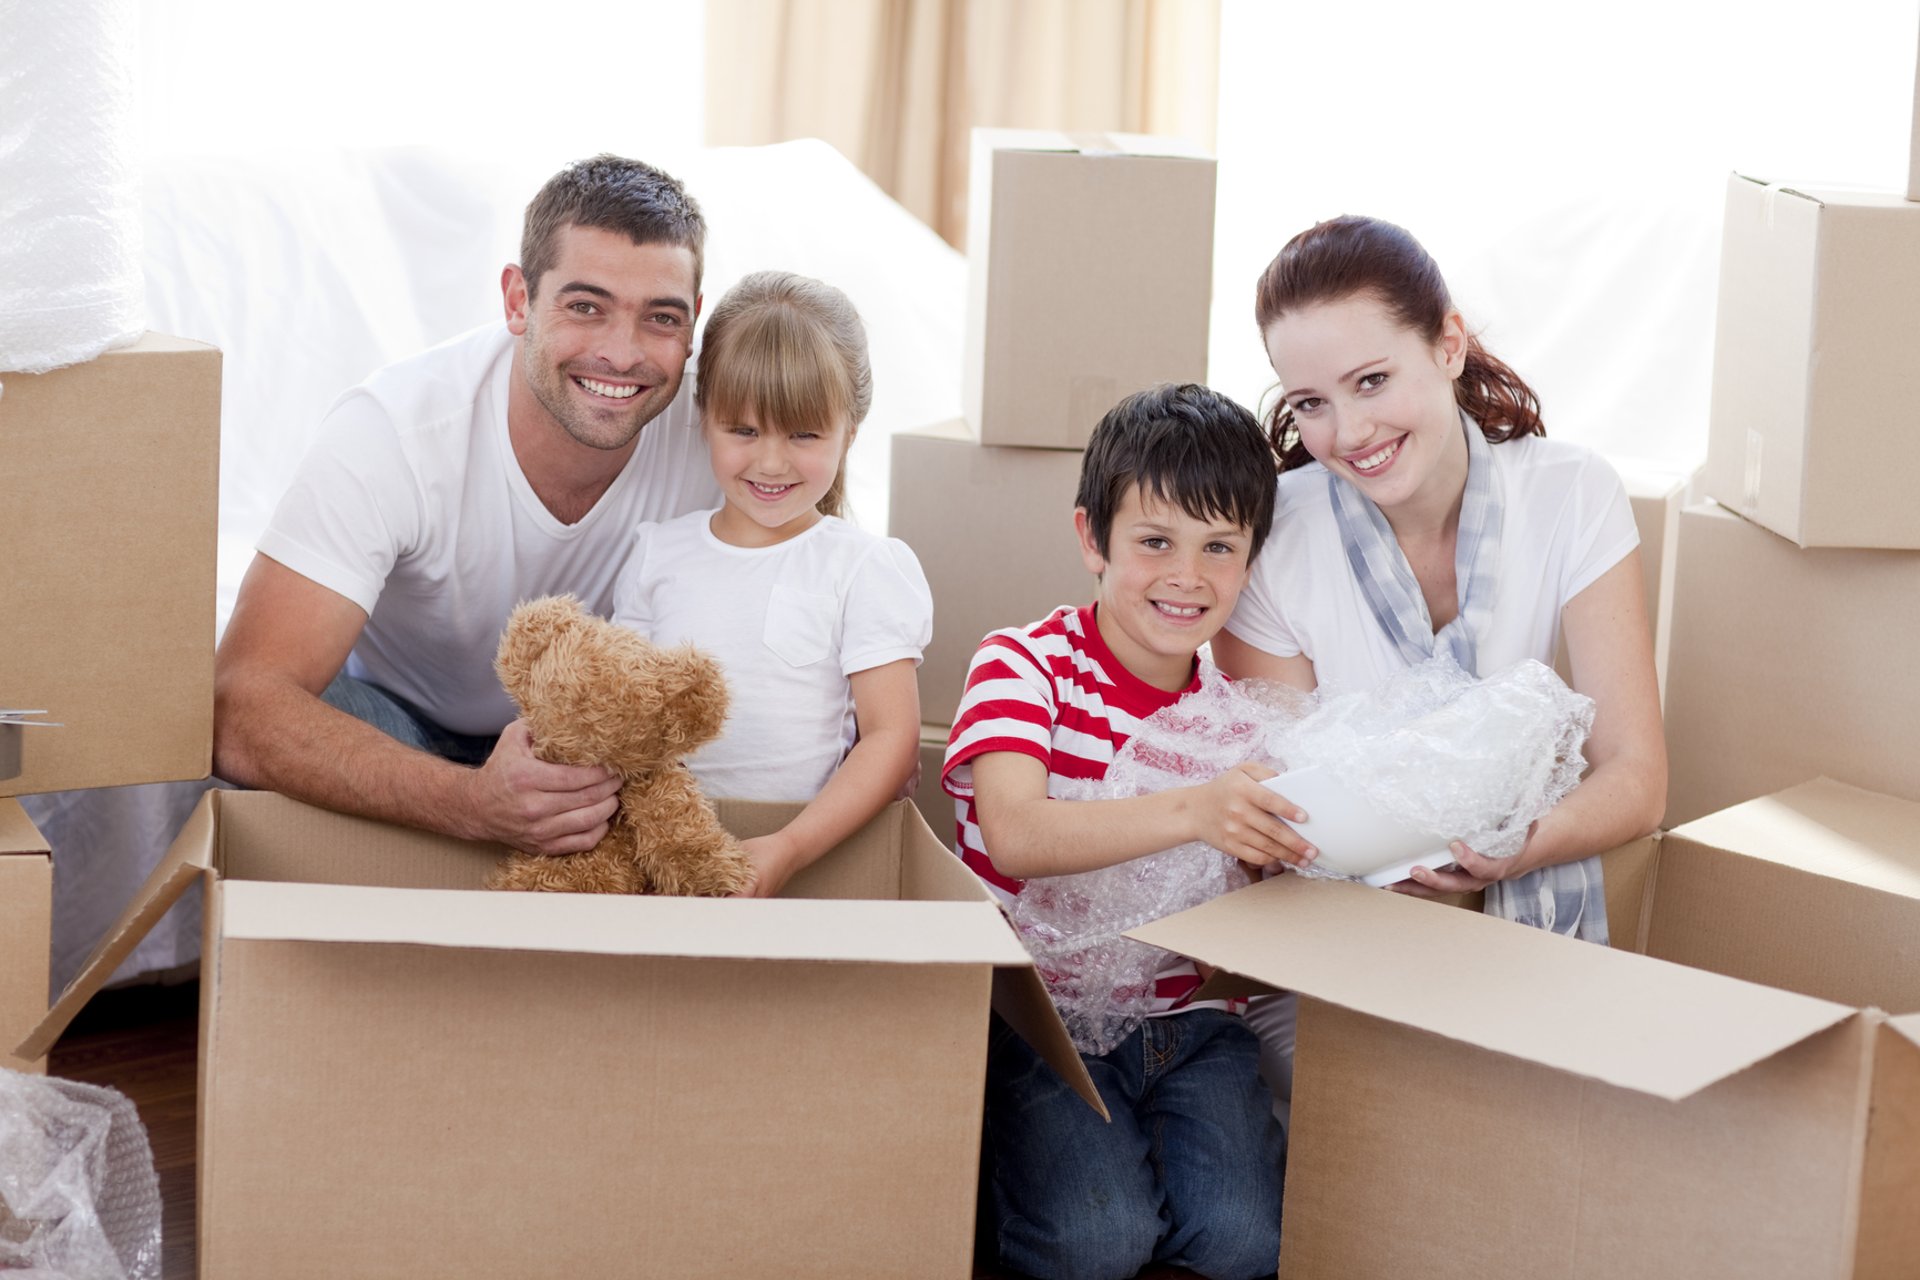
(818,624)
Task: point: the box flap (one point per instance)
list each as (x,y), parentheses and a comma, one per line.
(613,924)
(17,832)
(1609,1015)
(1908,1026)
(1826,828)
(189,857)
(1836,195)
(1022,1002)
(1086,143)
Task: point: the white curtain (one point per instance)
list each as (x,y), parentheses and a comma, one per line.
(1565,165)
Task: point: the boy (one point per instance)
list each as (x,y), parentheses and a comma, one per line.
(1176,496)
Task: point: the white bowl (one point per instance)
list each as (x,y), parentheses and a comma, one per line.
(1353,837)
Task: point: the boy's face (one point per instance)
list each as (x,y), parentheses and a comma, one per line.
(1168,582)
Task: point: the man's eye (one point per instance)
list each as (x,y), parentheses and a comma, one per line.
(667,319)
(582,308)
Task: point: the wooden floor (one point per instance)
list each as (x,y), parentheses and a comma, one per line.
(143,1041)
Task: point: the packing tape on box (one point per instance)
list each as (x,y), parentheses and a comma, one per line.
(1095,144)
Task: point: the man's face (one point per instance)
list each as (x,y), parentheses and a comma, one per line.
(606,339)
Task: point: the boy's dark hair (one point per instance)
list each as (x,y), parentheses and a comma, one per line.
(613,193)
(1184,444)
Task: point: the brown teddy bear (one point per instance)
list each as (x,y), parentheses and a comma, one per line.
(596,693)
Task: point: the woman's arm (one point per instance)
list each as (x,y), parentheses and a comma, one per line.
(886,710)
(1239,660)
(1625,794)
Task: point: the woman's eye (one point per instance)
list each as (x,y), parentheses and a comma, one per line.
(1306,404)
(1372,381)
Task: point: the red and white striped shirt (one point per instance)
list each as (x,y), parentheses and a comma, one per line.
(1054,691)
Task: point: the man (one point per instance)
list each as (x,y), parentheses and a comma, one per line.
(506,464)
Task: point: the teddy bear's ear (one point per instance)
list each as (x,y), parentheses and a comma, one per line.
(534,625)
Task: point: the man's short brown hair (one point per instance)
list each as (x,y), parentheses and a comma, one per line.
(611,192)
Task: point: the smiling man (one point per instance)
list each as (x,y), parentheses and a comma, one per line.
(509,463)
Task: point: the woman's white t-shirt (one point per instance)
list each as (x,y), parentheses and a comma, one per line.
(1566,521)
(788,624)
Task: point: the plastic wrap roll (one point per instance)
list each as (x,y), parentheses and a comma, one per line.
(71,284)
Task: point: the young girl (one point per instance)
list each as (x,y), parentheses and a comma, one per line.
(818,625)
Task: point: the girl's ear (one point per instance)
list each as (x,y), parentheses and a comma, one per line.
(1451,351)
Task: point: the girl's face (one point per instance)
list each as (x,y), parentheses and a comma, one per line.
(1373,399)
(772,481)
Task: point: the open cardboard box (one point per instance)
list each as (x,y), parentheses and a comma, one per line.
(26,917)
(401,1077)
(1476,1098)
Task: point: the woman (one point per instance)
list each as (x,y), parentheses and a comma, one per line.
(1421,509)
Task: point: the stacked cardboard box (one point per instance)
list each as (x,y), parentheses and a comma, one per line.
(1090,277)
(108,502)
(1793,596)
(401,1077)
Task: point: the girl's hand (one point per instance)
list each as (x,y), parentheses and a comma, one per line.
(774,861)
(1472,873)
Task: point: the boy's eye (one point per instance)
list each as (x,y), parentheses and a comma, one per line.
(1372,380)
(1222,548)
(1155,543)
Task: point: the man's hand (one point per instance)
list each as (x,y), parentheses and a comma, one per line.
(525,803)
(1470,873)
(1245,820)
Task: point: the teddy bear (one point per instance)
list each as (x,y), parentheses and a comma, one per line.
(593,692)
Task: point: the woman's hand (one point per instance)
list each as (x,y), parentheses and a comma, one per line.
(1470,874)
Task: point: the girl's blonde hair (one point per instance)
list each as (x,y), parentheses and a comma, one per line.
(792,351)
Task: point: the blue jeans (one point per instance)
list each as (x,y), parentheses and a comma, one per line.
(1187,1175)
(400,719)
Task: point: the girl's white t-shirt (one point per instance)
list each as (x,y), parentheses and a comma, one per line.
(1566,522)
(788,624)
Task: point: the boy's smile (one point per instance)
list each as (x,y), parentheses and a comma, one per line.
(1168,583)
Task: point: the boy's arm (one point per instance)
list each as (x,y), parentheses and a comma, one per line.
(1027,835)
(886,711)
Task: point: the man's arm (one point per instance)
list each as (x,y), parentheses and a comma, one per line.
(286,641)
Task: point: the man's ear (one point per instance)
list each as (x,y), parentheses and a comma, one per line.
(513,296)
(1089,553)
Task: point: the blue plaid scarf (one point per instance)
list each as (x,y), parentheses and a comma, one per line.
(1566,898)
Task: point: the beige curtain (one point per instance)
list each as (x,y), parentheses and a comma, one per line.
(897,84)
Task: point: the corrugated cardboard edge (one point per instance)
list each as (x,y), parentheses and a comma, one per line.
(17,832)
(1243,932)
(1913,138)
(190,857)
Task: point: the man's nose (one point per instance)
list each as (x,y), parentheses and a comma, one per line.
(620,347)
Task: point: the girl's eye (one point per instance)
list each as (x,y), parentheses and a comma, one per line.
(1372,381)
(804,435)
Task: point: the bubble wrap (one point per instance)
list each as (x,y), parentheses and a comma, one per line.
(1475,760)
(78,1196)
(71,281)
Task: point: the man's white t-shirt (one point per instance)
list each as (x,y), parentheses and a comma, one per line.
(1566,522)
(788,624)
(412,505)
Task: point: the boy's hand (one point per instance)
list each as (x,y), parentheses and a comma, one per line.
(1245,820)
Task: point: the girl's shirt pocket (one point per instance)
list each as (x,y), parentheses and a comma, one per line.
(800,624)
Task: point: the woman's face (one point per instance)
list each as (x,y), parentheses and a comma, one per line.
(1374,399)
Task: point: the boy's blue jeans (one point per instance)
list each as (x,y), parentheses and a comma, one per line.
(400,719)
(1187,1175)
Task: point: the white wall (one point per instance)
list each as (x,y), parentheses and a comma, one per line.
(571,77)
(1565,164)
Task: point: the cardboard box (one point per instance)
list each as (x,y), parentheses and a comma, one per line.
(1913,159)
(1786,665)
(993,529)
(1814,380)
(109,497)
(401,1077)
(1472,1099)
(1656,495)
(26,932)
(1089,277)
(934,804)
